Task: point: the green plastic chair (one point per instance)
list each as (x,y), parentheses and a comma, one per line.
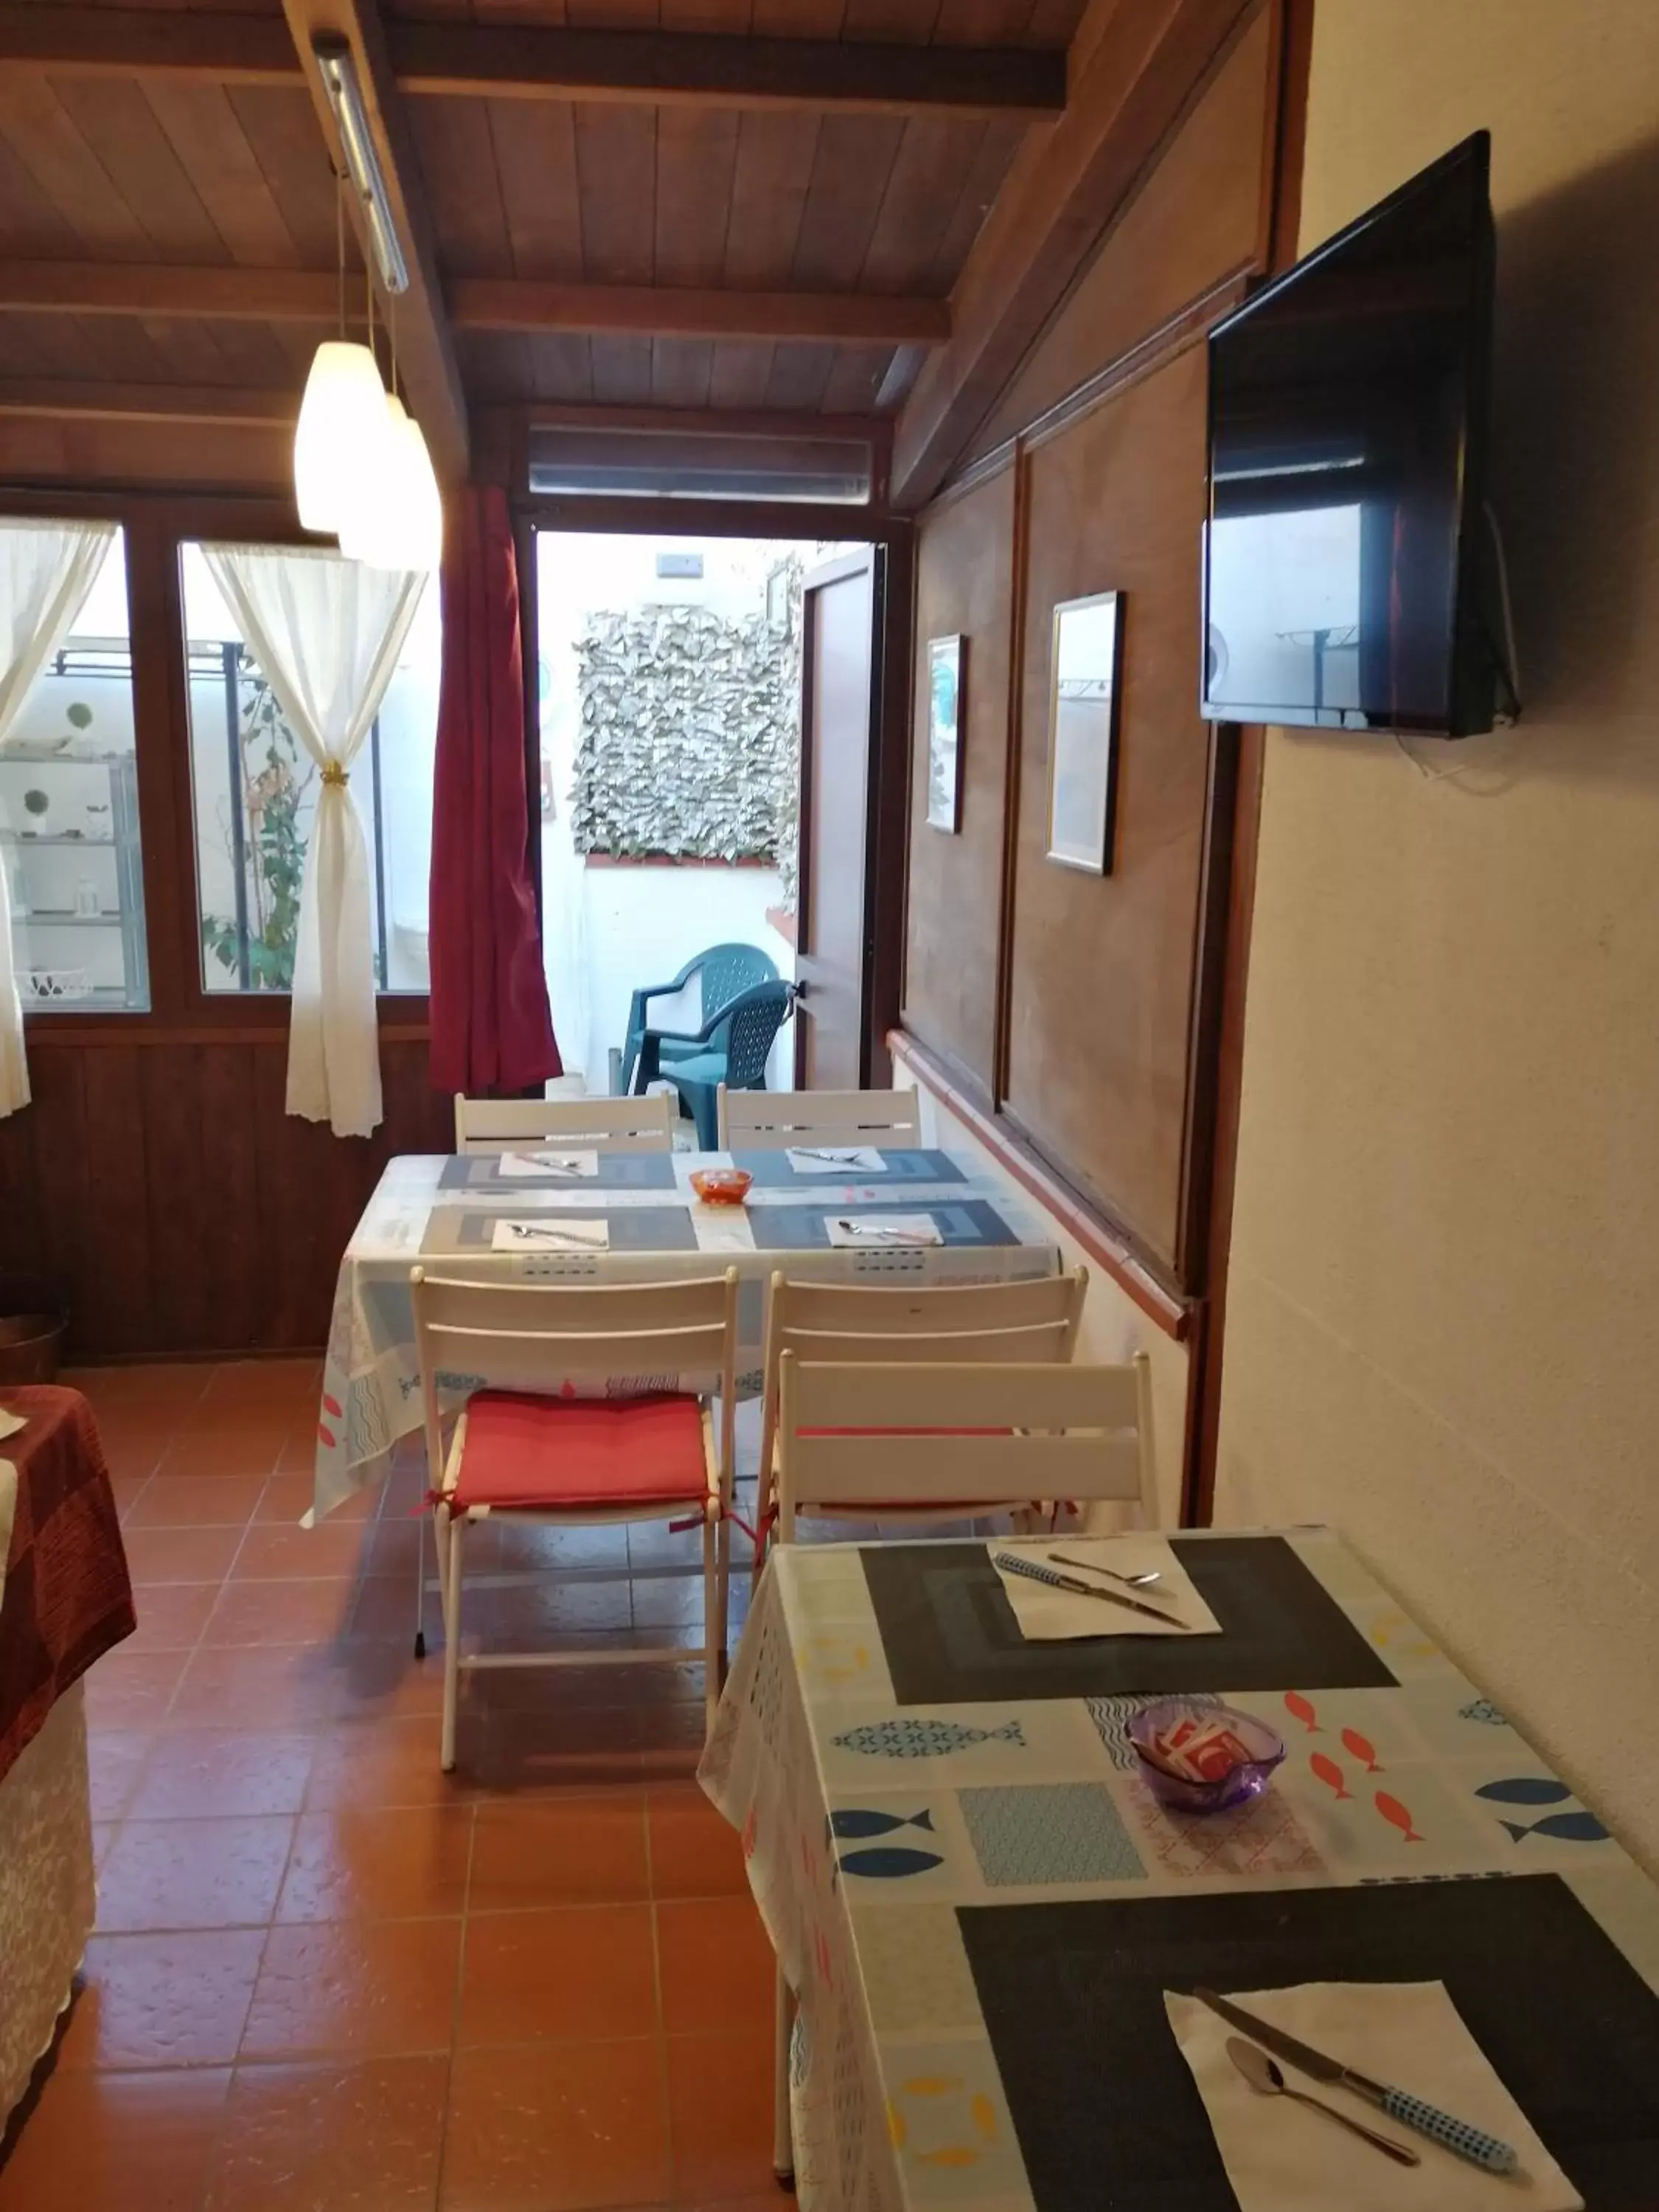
(731,1048)
(725,972)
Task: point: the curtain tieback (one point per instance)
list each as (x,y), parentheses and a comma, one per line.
(335,773)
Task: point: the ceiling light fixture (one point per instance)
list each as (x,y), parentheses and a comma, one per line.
(339,74)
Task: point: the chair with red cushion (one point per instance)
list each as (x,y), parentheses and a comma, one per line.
(584,1404)
(967,1323)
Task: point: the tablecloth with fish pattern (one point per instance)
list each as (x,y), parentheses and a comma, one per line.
(423,1209)
(865,1824)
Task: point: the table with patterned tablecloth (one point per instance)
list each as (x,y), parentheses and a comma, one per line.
(442,1211)
(980,1904)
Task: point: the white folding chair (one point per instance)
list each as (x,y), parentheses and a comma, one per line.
(600,1125)
(1034,1322)
(768,1121)
(520,1451)
(853,1435)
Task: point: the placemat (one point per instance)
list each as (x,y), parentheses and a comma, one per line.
(478,1172)
(949,1634)
(455,1233)
(772,1170)
(802,1228)
(1107,2115)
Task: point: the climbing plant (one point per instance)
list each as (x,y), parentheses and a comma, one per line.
(275,779)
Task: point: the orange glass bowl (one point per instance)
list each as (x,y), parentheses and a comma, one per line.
(722,1185)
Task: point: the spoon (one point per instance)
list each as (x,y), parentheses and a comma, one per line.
(1093,1567)
(1264,2076)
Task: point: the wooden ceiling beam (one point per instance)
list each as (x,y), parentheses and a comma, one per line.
(490,303)
(76,41)
(138,288)
(1135,71)
(147,402)
(663,69)
(526,61)
(476,303)
(426,347)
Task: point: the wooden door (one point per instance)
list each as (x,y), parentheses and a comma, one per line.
(835,946)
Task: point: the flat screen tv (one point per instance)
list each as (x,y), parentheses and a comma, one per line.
(1347,551)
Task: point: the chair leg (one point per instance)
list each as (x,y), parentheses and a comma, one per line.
(724,1545)
(713,1626)
(783,2145)
(450,1534)
(420,1586)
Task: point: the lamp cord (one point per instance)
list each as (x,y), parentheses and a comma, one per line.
(339,246)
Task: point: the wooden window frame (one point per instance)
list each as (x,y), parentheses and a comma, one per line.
(155,527)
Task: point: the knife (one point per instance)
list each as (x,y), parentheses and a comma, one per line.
(1453,2135)
(1014,1564)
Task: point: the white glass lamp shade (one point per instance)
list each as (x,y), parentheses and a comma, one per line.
(341,429)
(398,523)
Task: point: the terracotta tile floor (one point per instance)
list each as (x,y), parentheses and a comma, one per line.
(327,1977)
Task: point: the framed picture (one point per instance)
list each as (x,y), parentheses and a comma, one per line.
(945,659)
(1083,719)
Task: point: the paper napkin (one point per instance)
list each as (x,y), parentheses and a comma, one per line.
(870,1232)
(1280,2157)
(835,1159)
(547,1234)
(1046,1615)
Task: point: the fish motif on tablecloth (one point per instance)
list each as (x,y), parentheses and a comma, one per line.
(888,1863)
(850,1823)
(929,1739)
(1483,1711)
(1575,1827)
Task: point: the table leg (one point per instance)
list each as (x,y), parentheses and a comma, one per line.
(783,2149)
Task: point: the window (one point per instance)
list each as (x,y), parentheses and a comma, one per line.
(255,791)
(69,819)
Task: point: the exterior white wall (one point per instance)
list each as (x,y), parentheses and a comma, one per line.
(608,930)
(1441,1303)
(640,924)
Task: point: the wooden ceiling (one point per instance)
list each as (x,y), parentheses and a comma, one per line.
(753,205)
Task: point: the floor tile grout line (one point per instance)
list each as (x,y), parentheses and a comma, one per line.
(455,2010)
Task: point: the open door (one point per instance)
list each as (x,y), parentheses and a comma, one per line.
(835,938)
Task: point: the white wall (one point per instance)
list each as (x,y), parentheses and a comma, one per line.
(1442,1308)
(640,924)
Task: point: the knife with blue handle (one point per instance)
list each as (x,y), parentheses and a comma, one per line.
(1453,2135)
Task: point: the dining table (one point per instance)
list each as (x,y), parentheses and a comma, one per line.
(858,1213)
(65,1600)
(979,1907)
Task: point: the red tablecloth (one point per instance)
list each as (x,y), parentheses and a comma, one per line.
(68,1595)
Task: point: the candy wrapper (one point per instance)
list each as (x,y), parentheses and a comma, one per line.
(1194,1750)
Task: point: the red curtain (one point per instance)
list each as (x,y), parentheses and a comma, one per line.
(491,1028)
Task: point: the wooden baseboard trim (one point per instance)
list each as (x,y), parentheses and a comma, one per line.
(1099,1240)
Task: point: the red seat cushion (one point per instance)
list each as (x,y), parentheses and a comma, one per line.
(580,1452)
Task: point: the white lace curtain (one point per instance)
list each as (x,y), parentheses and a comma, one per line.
(46,569)
(326,631)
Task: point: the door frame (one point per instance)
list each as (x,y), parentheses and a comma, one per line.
(891,540)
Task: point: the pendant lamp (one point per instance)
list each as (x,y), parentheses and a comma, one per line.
(342,432)
(397,519)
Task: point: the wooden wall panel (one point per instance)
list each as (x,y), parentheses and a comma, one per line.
(1102,979)
(162,1193)
(964,570)
(1200,217)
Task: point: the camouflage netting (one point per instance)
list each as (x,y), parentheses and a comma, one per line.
(690,738)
